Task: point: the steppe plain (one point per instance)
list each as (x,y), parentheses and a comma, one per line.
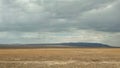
(60,58)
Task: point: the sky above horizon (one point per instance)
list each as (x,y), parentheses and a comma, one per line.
(57,21)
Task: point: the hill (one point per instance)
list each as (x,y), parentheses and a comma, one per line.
(55,45)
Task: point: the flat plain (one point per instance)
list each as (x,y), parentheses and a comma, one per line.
(60,58)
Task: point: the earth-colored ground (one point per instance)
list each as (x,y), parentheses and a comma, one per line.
(60,58)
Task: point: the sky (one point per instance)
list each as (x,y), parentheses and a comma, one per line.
(58,21)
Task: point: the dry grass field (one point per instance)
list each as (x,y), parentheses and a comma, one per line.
(60,58)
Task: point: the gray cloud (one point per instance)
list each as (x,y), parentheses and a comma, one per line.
(104,19)
(31,15)
(58,16)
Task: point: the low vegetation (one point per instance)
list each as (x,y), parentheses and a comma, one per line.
(60,58)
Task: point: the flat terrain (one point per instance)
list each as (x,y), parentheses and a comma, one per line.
(60,58)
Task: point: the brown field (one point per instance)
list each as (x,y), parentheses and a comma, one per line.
(60,58)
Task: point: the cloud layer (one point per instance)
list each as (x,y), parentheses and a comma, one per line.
(26,21)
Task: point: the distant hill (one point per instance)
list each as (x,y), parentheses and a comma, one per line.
(55,45)
(85,44)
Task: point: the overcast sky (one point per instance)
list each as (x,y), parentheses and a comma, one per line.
(55,21)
